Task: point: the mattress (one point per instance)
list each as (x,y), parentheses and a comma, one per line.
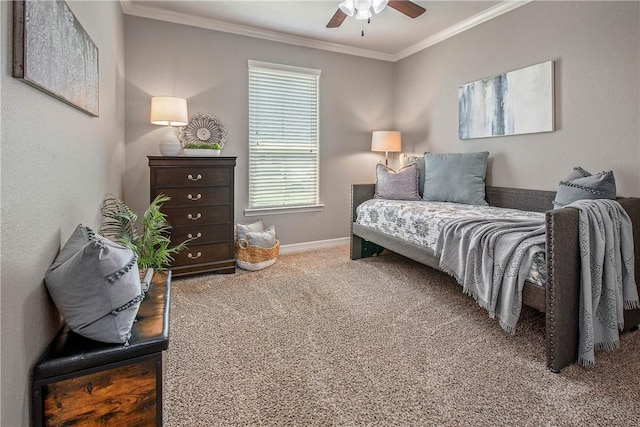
(420,222)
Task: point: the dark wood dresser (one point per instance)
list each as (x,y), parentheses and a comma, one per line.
(201,208)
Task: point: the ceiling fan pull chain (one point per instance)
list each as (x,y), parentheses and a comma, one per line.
(362,23)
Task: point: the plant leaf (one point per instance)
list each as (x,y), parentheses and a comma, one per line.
(152,246)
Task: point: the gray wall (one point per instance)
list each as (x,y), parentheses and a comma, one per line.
(57,164)
(596,49)
(209,68)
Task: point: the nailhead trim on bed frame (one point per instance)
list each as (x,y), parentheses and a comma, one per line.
(550,294)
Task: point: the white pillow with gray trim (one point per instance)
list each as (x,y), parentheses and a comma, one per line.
(243,229)
(264,239)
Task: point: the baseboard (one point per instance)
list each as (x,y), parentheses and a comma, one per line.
(310,246)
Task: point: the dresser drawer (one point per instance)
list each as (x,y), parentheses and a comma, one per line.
(198,215)
(199,196)
(202,234)
(204,253)
(193,177)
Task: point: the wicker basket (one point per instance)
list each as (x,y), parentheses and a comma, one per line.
(255,258)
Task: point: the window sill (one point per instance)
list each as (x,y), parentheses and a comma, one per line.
(285,210)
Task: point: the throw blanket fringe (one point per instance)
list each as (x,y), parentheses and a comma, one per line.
(491,258)
(607,282)
(510,329)
(631,305)
(479,301)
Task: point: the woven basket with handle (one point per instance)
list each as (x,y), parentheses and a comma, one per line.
(254,258)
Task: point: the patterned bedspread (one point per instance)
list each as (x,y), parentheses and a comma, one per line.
(420,222)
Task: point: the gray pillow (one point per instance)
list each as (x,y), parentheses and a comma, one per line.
(401,185)
(243,229)
(406,159)
(264,239)
(580,184)
(95,285)
(455,177)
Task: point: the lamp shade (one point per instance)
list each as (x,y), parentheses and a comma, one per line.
(386,140)
(169,111)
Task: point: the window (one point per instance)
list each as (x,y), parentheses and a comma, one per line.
(283,137)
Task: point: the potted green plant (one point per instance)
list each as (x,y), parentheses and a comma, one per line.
(202,149)
(216,148)
(152,245)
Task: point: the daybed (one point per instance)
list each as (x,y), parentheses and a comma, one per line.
(559,300)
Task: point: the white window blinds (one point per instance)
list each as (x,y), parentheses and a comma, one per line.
(283,136)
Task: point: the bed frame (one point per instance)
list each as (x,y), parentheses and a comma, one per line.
(559,300)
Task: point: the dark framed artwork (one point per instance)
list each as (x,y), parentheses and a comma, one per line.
(52,52)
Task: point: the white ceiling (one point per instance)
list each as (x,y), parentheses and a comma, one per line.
(390,35)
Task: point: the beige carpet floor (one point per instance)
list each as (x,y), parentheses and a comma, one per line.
(318,339)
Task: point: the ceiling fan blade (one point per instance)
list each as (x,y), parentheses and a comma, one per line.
(409,8)
(337,19)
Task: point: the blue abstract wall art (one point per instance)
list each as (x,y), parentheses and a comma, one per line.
(516,102)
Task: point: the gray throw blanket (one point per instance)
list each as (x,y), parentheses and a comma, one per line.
(607,284)
(491,259)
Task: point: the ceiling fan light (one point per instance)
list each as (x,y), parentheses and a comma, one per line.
(379,5)
(347,7)
(362,4)
(363,14)
(362,9)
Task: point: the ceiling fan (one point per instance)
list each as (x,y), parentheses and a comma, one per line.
(362,9)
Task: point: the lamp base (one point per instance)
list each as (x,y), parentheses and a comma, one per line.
(169,144)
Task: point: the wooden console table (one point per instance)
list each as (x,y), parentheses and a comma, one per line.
(78,381)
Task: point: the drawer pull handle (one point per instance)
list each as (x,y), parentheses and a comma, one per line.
(197,178)
(198,197)
(191,256)
(199,235)
(194,218)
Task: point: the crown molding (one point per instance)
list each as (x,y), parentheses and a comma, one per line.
(142,11)
(124,5)
(129,8)
(492,12)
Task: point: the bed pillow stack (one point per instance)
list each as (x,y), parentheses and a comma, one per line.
(455,177)
(407,159)
(580,185)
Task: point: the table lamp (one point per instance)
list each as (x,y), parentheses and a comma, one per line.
(389,141)
(169,111)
